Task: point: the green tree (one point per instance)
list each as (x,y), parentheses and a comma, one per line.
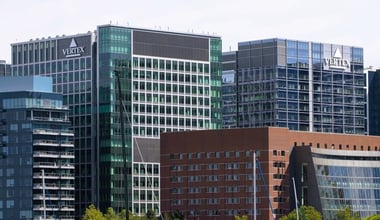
(110,214)
(243,217)
(309,211)
(150,215)
(347,214)
(373,217)
(93,213)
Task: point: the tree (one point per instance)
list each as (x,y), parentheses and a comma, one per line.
(93,213)
(373,217)
(243,217)
(150,215)
(347,214)
(309,211)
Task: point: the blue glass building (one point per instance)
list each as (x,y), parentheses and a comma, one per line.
(37,163)
(301,85)
(331,179)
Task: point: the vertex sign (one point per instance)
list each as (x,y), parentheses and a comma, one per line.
(73,50)
(74,46)
(336,62)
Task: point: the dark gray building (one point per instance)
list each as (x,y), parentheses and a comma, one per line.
(37,164)
(374,102)
(305,86)
(5,69)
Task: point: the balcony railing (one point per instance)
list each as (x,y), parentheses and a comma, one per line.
(45,165)
(50,154)
(53,132)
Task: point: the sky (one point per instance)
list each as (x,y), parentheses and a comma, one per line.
(346,22)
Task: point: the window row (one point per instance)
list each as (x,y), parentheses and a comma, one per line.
(149,63)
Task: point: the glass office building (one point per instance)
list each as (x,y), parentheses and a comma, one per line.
(373,102)
(332,180)
(301,85)
(5,69)
(170,81)
(37,163)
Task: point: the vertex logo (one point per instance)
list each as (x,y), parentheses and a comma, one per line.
(73,50)
(337,62)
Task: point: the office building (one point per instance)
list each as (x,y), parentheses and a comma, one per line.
(229,93)
(5,69)
(373,102)
(210,174)
(37,167)
(69,61)
(304,86)
(170,81)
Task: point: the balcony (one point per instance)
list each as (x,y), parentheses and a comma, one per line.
(48,186)
(45,165)
(67,217)
(67,176)
(67,155)
(67,208)
(67,197)
(49,119)
(67,143)
(46,143)
(53,132)
(47,208)
(67,187)
(47,197)
(46,175)
(66,166)
(46,154)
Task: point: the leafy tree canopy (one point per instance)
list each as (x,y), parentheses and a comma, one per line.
(309,211)
(347,214)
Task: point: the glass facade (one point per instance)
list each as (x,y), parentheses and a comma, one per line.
(37,170)
(301,85)
(164,89)
(5,69)
(169,82)
(68,60)
(342,184)
(373,102)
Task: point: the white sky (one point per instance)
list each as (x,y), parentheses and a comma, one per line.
(347,22)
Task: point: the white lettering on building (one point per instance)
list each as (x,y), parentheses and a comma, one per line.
(73,50)
(337,62)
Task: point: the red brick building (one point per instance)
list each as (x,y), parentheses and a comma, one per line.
(209,174)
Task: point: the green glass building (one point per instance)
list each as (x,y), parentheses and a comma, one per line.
(170,82)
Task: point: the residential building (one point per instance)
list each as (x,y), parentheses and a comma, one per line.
(37,167)
(69,61)
(305,86)
(170,81)
(210,174)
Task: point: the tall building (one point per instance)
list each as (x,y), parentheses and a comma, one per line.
(373,102)
(37,167)
(304,86)
(210,174)
(69,61)
(5,69)
(169,82)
